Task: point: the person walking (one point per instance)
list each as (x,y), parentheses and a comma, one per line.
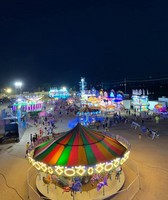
(140,136)
(157,119)
(27,149)
(31,139)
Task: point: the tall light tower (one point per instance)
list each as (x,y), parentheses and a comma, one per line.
(18,86)
(82,86)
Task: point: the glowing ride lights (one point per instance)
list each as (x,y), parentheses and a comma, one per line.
(59,170)
(69,171)
(60,153)
(80,170)
(50,170)
(99,168)
(90,170)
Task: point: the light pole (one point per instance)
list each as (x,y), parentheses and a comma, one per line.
(18,86)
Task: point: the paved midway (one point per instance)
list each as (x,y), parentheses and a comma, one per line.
(150,156)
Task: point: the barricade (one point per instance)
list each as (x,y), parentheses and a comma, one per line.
(135,125)
(131,189)
(31,179)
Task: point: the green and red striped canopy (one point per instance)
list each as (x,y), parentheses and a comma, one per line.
(79,146)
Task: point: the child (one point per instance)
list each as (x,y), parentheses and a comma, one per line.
(140,136)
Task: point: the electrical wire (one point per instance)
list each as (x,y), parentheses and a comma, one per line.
(147,80)
(11,186)
(135,80)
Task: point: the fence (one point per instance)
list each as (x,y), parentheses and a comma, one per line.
(132,186)
(130,189)
(31,183)
(123,141)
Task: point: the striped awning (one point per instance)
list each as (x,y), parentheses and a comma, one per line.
(79,146)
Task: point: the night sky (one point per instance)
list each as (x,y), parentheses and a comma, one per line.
(58,42)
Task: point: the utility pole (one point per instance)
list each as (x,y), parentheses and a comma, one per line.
(125,85)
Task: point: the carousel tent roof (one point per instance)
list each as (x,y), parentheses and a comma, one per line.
(79,146)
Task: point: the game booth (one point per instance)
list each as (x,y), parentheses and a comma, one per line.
(28,104)
(58,93)
(140,100)
(140,103)
(79,162)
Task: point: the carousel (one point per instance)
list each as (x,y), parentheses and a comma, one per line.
(88,115)
(79,160)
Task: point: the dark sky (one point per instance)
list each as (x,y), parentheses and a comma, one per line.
(60,41)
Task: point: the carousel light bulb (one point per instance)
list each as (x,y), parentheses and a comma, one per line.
(44,167)
(126,155)
(99,167)
(50,170)
(108,166)
(33,162)
(59,170)
(116,162)
(30,159)
(90,170)
(37,165)
(80,170)
(122,160)
(69,172)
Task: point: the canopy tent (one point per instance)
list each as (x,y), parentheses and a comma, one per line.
(108,107)
(79,146)
(88,109)
(93,100)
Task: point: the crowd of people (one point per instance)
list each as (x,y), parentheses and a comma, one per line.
(47,124)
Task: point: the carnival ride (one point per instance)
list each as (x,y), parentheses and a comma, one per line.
(88,114)
(78,157)
(107,104)
(160,108)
